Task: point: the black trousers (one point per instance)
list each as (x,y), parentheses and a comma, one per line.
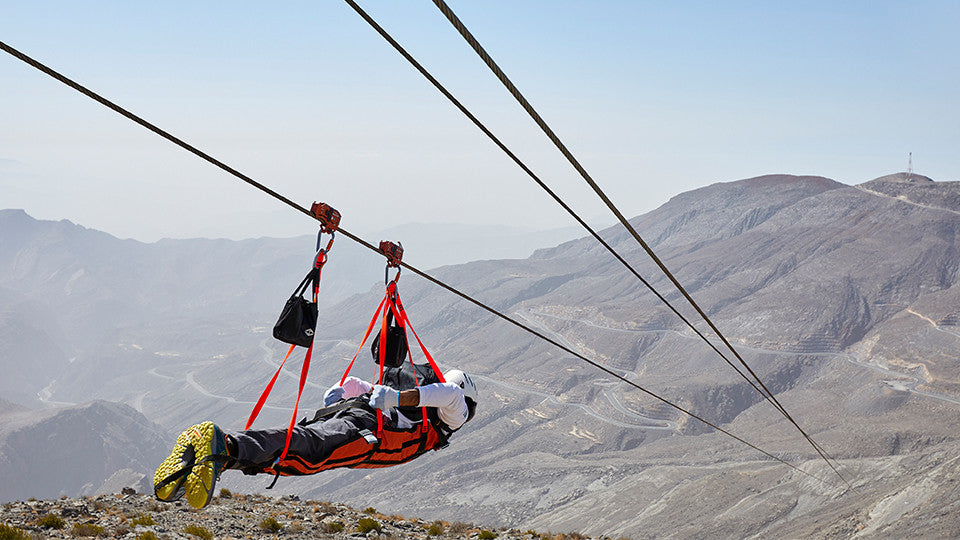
(313,443)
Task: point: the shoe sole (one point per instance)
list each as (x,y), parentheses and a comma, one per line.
(203,478)
(181,456)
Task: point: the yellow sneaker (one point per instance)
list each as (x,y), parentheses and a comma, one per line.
(192,468)
(166,486)
(208,442)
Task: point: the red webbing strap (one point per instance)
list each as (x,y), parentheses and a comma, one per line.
(318,264)
(321,259)
(382,353)
(362,341)
(423,425)
(406,321)
(266,391)
(293,417)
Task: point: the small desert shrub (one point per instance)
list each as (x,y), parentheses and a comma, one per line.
(144,520)
(198,531)
(435,529)
(331,527)
(486,535)
(328,508)
(225,493)
(271,525)
(370,510)
(51,521)
(459,527)
(12,533)
(366,525)
(148,535)
(87,529)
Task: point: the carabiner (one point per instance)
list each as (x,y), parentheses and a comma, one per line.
(320,239)
(386,274)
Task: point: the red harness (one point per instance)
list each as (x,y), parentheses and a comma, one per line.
(391,445)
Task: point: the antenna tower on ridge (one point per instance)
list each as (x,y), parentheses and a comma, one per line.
(910,166)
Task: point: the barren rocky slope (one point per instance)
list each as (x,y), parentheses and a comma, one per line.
(82,446)
(843,298)
(129,515)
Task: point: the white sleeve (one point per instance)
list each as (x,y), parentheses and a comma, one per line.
(353,387)
(448,399)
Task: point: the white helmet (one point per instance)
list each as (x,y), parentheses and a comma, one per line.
(466,384)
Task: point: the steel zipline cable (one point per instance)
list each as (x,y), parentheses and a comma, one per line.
(540,182)
(762,389)
(203,155)
(541,123)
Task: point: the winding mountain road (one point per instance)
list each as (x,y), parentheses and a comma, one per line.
(902,381)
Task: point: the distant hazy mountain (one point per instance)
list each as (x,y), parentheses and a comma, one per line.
(56,452)
(843,298)
(65,289)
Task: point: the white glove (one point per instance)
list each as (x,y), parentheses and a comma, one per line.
(384,397)
(332,396)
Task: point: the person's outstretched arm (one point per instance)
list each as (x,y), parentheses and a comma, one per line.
(446,397)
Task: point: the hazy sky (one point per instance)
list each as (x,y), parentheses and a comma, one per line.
(654,98)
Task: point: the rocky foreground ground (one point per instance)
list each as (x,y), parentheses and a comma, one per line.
(141,517)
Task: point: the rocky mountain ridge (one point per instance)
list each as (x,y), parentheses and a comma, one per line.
(86,446)
(843,299)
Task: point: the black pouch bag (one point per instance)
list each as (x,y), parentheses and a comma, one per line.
(396,350)
(298,320)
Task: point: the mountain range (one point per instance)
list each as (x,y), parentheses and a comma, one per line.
(843,299)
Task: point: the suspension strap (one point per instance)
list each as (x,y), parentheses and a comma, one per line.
(293,417)
(389,302)
(329,226)
(397,309)
(320,260)
(363,341)
(426,353)
(266,391)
